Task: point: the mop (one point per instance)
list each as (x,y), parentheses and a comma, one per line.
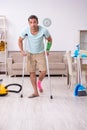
(49,79)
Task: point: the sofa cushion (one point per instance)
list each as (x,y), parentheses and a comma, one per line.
(17,66)
(55,57)
(17,57)
(57,66)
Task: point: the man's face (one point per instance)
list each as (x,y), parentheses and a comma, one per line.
(33,23)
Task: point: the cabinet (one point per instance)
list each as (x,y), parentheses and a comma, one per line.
(83,39)
(3,44)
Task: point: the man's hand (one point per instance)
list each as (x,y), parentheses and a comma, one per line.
(47,53)
(23,53)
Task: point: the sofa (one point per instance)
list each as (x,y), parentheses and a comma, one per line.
(57,64)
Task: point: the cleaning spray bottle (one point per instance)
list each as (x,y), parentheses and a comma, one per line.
(77,51)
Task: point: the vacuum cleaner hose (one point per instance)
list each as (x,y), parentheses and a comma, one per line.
(14,84)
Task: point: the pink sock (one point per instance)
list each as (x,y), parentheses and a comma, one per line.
(39,84)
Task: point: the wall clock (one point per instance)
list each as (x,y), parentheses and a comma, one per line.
(47,22)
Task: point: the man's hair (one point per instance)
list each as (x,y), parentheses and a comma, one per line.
(33,17)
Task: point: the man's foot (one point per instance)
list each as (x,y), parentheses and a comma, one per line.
(39,86)
(33,95)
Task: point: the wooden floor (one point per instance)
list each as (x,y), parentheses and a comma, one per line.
(63,112)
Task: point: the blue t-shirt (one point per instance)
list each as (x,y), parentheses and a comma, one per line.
(35,42)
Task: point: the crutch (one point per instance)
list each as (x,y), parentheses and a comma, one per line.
(23,67)
(49,79)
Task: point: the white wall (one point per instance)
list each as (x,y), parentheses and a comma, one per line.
(68,16)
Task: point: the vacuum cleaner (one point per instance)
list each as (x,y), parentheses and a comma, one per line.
(4,89)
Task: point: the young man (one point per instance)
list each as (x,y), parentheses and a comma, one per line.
(35,51)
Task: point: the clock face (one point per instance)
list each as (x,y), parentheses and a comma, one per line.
(47,22)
